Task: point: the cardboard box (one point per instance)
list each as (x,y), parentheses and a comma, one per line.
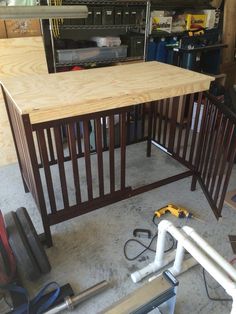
(161,23)
(23,28)
(195,21)
(3,33)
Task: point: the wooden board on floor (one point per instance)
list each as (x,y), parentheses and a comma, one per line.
(75,93)
(18,57)
(230,199)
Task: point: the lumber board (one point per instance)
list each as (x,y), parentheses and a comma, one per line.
(61,95)
(18,57)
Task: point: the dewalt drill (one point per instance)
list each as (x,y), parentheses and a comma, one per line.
(176,211)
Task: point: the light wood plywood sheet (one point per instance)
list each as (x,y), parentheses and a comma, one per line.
(22,56)
(61,95)
(18,57)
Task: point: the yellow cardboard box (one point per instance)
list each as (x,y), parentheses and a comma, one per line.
(195,21)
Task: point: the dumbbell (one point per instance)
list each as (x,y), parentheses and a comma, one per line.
(30,255)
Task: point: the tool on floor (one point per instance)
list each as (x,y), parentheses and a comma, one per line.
(71,302)
(176,211)
(142,233)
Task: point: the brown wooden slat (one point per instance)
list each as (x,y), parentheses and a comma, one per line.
(104,132)
(50,145)
(98,133)
(215,145)
(193,146)
(122,149)
(173,124)
(188,126)
(225,152)
(143,115)
(47,170)
(199,150)
(210,131)
(218,155)
(87,159)
(160,118)
(182,100)
(204,137)
(167,106)
(25,158)
(228,172)
(60,160)
(73,154)
(78,135)
(37,189)
(128,128)
(150,126)
(136,116)
(112,153)
(155,108)
(39,150)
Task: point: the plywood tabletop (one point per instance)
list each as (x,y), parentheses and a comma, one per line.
(22,56)
(18,57)
(61,95)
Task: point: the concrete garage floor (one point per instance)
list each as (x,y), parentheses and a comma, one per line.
(89,249)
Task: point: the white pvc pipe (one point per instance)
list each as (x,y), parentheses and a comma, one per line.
(211,252)
(152,268)
(179,257)
(201,251)
(207,262)
(159,261)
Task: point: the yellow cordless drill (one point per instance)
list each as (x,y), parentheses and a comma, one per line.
(176,211)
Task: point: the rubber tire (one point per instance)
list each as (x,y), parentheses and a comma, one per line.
(19,244)
(33,240)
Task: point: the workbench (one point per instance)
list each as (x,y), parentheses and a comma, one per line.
(52,115)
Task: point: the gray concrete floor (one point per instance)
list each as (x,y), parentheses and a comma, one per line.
(89,249)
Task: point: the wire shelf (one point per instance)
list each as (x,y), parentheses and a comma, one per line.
(106,61)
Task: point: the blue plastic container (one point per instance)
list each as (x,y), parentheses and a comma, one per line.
(161,52)
(151,50)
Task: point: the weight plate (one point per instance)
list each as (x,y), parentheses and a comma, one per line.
(20,247)
(4,263)
(33,240)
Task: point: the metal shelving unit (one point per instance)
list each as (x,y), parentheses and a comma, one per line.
(77,27)
(49,39)
(105,61)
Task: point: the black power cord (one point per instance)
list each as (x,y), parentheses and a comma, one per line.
(207,292)
(146,247)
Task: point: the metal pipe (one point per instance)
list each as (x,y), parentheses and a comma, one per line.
(71,302)
(44,12)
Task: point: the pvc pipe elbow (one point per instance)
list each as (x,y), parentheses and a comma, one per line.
(140,274)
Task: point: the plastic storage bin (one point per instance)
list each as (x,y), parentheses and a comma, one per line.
(126,16)
(118,15)
(97,16)
(132,15)
(135,44)
(108,16)
(89,19)
(109,41)
(91,54)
